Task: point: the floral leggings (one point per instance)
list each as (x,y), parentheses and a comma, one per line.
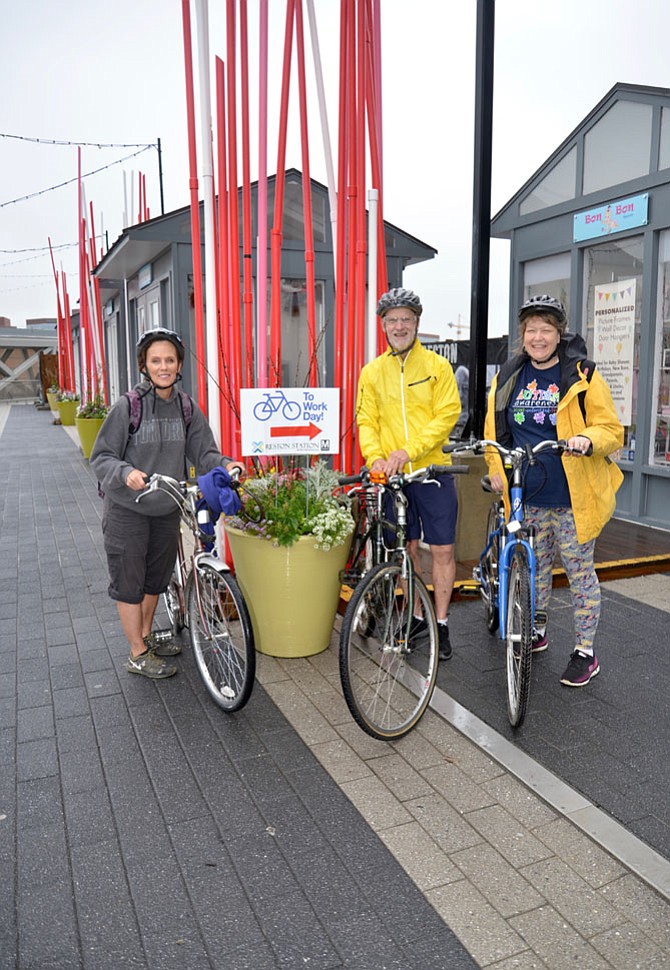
(555,528)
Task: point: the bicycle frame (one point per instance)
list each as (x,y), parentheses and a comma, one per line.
(512,534)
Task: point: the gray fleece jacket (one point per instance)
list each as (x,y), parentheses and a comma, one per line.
(161,444)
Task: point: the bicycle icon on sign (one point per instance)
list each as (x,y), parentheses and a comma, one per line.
(274,400)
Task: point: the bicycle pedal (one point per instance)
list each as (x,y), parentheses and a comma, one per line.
(349,577)
(469,589)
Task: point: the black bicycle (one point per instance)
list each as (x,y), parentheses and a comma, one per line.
(388,675)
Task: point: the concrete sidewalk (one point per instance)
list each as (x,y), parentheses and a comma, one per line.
(141,827)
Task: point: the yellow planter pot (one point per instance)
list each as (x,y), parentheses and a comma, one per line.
(53,400)
(88,431)
(292,592)
(67,411)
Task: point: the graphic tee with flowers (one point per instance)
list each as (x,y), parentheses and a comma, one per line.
(531,418)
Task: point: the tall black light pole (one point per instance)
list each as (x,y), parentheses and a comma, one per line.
(481,218)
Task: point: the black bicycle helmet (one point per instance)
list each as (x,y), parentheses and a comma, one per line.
(158,333)
(545,304)
(398,297)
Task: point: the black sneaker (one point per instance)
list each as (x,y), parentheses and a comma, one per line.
(443,642)
(581,669)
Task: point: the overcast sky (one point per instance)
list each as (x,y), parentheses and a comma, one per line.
(114,73)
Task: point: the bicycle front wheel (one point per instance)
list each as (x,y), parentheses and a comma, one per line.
(387,679)
(221,636)
(519,636)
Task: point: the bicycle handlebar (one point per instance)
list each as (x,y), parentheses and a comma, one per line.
(427,475)
(518,453)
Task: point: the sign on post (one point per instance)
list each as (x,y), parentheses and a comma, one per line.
(290,420)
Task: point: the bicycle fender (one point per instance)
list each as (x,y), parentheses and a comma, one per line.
(209,559)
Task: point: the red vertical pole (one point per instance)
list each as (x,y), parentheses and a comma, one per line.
(233,226)
(275,260)
(226,399)
(247,269)
(352,190)
(340,241)
(361,244)
(195,213)
(61,335)
(306,199)
(69,350)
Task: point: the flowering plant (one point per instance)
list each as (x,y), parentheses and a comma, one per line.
(283,505)
(67,395)
(95,407)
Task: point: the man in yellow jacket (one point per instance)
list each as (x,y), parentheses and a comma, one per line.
(407,405)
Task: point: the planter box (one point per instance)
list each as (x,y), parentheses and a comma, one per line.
(292,592)
(88,431)
(67,411)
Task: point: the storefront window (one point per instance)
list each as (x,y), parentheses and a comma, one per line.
(613,296)
(627,125)
(550,275)
(294,332)
(659,451)
(557,186)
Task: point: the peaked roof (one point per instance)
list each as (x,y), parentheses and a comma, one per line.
(619,92)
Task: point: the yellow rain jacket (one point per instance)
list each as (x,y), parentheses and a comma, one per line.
(411,404)
(585,407)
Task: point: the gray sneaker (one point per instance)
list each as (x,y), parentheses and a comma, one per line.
(162,644)
(149,665)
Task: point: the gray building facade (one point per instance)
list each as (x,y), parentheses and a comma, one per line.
(592,228)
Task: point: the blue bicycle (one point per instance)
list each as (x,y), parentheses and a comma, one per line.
(505,576)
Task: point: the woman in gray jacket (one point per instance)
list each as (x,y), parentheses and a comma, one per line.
(169,433)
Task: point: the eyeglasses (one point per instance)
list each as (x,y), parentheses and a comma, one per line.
(399,321)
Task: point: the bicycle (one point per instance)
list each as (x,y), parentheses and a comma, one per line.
(505,575)
(387,676)
(263,410)
(204,596)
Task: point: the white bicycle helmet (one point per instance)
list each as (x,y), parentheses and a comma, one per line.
(398,297)
(545,304)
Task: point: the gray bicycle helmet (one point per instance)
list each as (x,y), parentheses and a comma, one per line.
(398,297)
(545,304)
(158,333)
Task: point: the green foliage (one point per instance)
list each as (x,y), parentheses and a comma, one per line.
(67,395)
(283,505)
(95,407)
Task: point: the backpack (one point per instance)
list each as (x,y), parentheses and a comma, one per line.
(135,406)
(135,409)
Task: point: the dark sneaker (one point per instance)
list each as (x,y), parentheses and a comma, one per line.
(162,644)
(149,665)
(540,642)
(581,669)
(443,642)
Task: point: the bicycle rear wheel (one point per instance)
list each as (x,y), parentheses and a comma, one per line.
(387,681)
(519,636)
(221,636)
(489,570)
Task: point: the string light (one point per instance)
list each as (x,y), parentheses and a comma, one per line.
(52,188)
(77,144)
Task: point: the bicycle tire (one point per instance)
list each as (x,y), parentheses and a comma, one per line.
(386,684)
(519,636)
(221,637)
(489,570)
